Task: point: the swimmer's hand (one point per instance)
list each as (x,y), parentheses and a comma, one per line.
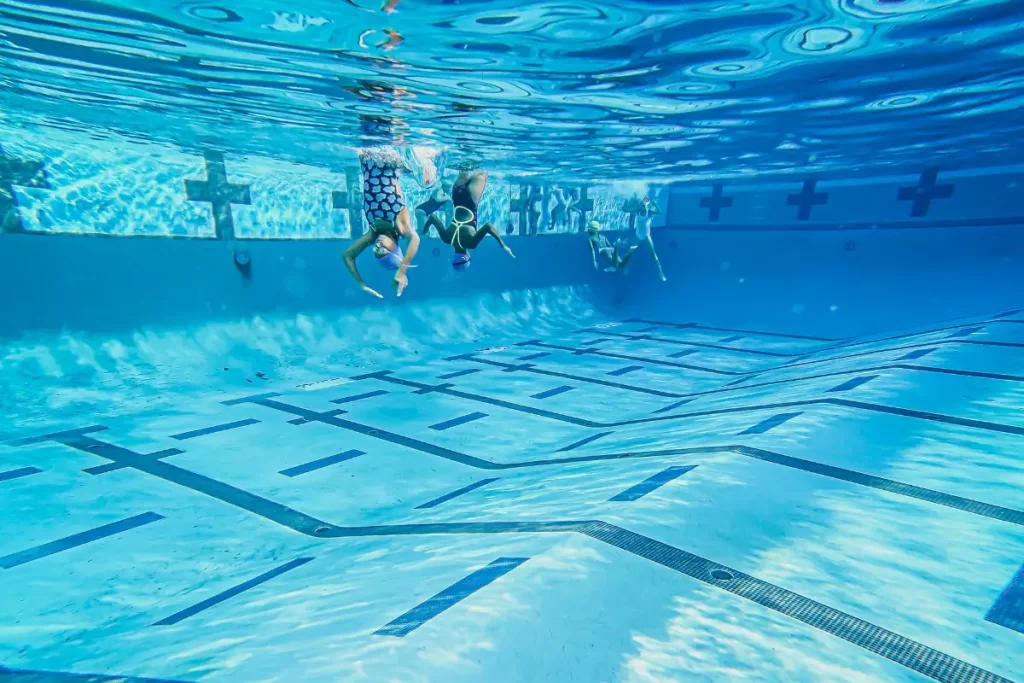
(400,282)
(373,292)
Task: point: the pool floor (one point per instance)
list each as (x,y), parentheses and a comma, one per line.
(635,501)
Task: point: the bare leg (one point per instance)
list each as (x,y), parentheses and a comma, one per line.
(624,260)
(475,181)
(446,234)
(474,240)
(654,255)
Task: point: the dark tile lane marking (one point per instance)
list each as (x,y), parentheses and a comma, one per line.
(888,644)
(455,494)
(583,442)
(321,463)
(769,424)
(449,597)
(214,429)
(456,421)
(1008,609)
(75,540)
(231,592)
(651,484)
(850,384)
(19,473)
(552,392)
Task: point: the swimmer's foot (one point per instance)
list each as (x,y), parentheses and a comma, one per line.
(663,278)
(509,252)
(610,269)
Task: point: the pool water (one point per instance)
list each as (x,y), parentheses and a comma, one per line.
(792,458)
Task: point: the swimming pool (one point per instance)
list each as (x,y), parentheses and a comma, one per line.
(796,459)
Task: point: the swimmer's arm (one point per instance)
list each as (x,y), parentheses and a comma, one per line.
(349,257)
(413,239)
(593,253)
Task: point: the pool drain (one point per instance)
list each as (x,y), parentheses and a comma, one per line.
(722,575)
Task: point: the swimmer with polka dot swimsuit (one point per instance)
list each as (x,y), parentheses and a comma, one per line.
(388,219)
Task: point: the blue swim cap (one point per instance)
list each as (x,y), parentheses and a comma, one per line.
(460,261)
(391,260)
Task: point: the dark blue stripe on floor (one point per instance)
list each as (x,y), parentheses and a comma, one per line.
(455,422)
(680,354)
(455,494)
(75,540)
(583,442)
(852,383)
(595,341)
(673,406)
(919,353)
(359,397)
(741,380)
(214,429)
(321,463)
(231,592)
(457,592)
(534,356)
(460,373)
(771,423)
(966,332)
(552,392)
(729,340)
(652,483)
(1008,610)
(625,371)
(18,473)
(39,676)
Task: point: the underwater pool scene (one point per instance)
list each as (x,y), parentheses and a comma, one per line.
(484,341)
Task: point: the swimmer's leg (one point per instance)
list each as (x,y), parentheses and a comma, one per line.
(654,255)
(488,229)
(475,182)
(623,261)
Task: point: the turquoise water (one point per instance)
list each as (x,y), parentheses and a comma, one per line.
(796,459)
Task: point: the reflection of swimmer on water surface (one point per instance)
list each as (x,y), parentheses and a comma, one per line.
(386,213)
(616,256)
(462,233)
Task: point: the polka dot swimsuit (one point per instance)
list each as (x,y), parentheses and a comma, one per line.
(382,194)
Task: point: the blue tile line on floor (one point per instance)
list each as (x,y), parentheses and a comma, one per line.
(19,473)
(113,466)
(695,326)
(591,342)
(851,476)
(672,406)
(852,383)
(231,592)
(321,463)
(771,423)
(214,429)
(38,676)
(533,356)
(302,420)
(76,540)
(359,397)
(919,353)
(730,340)
(455,494)
(966,332)
(460,373)
(652,483)
(583,442)
(888,644)
(683,354)
(552,392)
(1008,609)
(858,405)
(457,592)
(456,421)
(706,345)
(625,371)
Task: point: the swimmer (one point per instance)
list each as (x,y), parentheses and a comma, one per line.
(462,233)
(642,223)
(611,253)
(386,213)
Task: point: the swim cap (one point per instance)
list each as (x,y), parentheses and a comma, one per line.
(594,227)
(460,262)
(391,260)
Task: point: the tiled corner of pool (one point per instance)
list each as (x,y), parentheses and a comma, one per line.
(585,506)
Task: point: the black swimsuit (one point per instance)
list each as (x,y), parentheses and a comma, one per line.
(461,196)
